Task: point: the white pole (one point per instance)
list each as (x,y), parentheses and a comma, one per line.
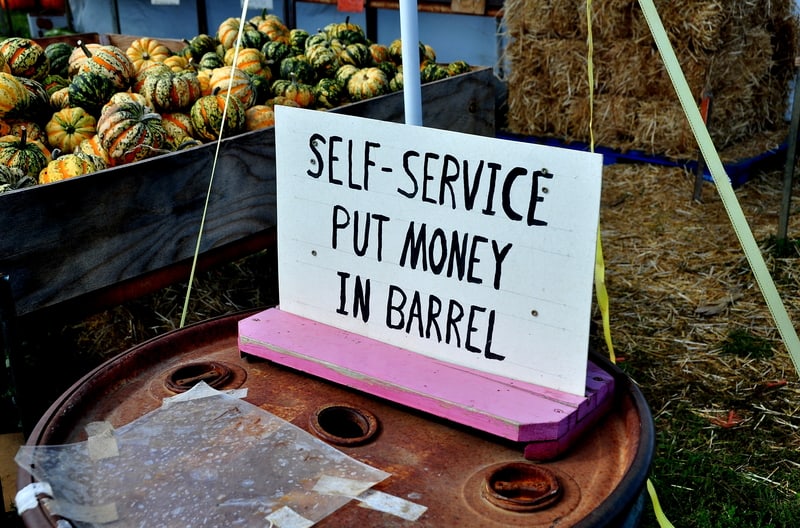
(409,35)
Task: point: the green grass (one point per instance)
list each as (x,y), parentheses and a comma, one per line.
(743,343)
(710,476)
(783,248)
(722,478)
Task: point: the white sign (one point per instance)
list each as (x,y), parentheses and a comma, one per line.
(476,251)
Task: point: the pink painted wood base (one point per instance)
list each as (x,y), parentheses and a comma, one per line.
(546,420)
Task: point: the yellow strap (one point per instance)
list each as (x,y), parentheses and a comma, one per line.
(602,295)
(728,196)
(599,263)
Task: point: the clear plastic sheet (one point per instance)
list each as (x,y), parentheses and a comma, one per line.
(204,458)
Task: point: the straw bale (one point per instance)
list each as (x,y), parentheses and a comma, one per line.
(660,127)
(545,18)
(702,25)
(750,94)
(538,116)
(558,66)
(756,10)
(693,26)
(741,52)
(613,120)
(611,20)
(746,59)
(623,68)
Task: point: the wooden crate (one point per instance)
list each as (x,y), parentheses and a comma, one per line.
(120,41)
(97,232)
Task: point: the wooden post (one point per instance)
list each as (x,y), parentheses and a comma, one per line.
(788,171)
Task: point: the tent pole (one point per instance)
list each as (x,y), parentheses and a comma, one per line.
(791,158)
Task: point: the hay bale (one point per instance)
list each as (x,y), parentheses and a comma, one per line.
(613,117)
(660,127)
(740,51)
(611,20)
(545,18)
(623,68)
(693,26)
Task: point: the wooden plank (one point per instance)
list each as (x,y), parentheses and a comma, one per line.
(469,7)
(9,445)
(121,223)
(124,41)
(73,237)
(120,41)
(72,40)
(464,103)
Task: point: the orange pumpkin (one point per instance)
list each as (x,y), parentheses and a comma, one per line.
(13,94)
(94,147)
(179,128)
(177,63)
(258,117)
(68,127)
(122,97)
(249,60)
(146,51)
(130,132)
(240,84)
(55,6)
(108,61)
(29,156)
(70,166)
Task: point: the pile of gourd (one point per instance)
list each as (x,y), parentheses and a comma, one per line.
(70,110)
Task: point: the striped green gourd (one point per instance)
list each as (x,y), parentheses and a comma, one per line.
(130,131)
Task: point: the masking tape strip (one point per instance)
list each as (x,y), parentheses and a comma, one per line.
(328,485)
(101,442)
(380,501)
(104,513)
(723,184)
(28,497)
(368,498)
(288,518)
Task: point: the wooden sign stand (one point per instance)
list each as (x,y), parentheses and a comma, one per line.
(545,420)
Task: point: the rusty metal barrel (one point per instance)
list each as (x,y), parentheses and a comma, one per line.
(462,476)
